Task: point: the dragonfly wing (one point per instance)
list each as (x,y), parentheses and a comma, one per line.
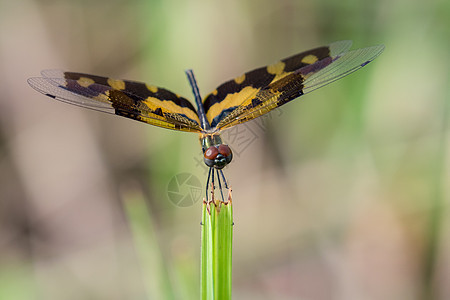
(291,84)
(239,92)
(130,99)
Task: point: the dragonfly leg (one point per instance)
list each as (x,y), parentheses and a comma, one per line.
(213,184)
(220,184)
(207,182)
(224,179)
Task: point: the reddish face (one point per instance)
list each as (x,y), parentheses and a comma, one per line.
(218,156)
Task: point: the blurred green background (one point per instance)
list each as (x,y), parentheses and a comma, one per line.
(342,194)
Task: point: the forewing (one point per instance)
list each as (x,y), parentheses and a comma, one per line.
(299,82)
(130,99)
(239,92)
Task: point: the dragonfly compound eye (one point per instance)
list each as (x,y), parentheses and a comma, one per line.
(218,156)
(211,153)
(210,156)
(224,157)
(225,151)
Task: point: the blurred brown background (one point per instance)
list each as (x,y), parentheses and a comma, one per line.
(340,195)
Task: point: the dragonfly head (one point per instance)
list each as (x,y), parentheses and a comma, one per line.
(218,156)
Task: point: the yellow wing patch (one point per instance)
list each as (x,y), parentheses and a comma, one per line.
(116,84)
(152,88)
(309,59)
(169,107)
(276,69)
(85,82)
(230,101)
(240,79)
(263,102)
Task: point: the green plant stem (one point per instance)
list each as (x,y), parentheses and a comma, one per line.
(217,236)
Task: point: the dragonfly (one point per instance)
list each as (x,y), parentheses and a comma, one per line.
(234,102)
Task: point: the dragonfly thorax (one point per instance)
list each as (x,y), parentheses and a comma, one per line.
(215,153)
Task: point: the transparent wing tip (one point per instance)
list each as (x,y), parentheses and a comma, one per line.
(52,73)
(340,47)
